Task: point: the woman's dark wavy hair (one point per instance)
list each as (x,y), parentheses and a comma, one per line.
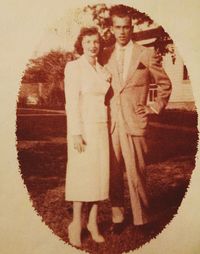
(86,31)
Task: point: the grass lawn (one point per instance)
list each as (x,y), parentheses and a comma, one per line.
(42,153)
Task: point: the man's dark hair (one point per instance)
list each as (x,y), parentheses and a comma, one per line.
(121,11)
(85,31)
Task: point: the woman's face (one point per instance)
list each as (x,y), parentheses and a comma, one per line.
(91,45)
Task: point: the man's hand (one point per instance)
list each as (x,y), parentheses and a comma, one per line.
(79,143)
(143,110)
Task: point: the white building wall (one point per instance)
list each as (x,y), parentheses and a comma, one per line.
(181,89)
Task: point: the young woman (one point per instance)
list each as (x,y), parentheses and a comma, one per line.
(87,179)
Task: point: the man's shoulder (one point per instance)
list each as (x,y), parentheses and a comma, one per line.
(147,53)
(142,48)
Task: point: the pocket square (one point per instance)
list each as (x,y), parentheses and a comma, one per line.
(141,66)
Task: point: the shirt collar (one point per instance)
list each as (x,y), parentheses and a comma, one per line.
(127,46)
(85,60)
(97,66)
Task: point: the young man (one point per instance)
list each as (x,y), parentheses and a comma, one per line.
(131,66)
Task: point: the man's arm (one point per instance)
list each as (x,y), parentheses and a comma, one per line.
(164,86)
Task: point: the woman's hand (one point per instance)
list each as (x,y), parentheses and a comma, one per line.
(79,143)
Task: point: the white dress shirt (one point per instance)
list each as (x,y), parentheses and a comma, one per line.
(127,56)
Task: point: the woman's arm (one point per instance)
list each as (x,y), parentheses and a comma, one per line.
(72,94)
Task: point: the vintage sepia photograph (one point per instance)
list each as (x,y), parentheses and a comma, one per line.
(107,131)
(106,128)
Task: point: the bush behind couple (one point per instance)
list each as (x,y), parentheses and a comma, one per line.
(109,96)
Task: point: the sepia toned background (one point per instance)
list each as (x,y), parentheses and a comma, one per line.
(24,26)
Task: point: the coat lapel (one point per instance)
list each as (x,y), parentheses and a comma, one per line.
(135,59)
(112,63)
(86,66)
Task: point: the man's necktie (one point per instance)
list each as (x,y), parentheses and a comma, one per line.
(121,63)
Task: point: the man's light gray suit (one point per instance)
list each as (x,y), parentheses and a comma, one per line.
(128,128)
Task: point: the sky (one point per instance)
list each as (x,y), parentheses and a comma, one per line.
(63,33)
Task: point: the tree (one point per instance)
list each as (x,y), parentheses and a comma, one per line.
(49,69)
(101,17)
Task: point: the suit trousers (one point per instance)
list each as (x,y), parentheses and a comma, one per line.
(132,150)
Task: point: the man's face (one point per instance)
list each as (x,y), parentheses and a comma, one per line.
(122,29)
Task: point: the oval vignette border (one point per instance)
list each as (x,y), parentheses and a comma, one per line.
(193,72)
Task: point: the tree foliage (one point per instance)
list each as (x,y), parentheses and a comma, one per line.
(101,17)
(49,68)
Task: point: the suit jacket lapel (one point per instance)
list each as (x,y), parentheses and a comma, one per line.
(112,63)
(135,59)
(85,64)
(113,67)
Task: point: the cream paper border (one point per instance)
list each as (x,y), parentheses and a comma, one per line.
(22,26)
